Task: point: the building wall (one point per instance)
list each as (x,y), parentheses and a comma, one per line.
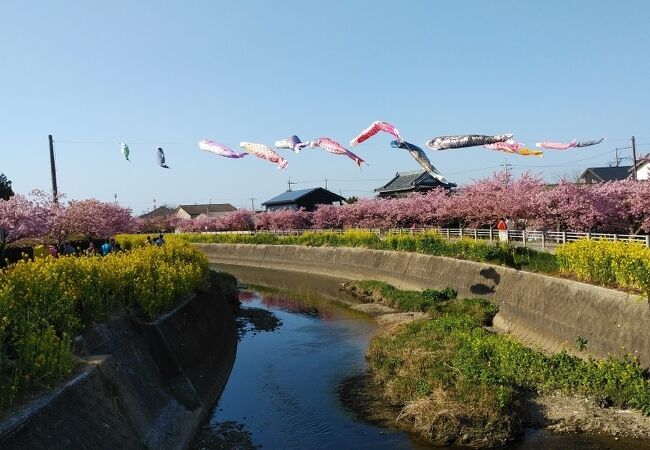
(182,214)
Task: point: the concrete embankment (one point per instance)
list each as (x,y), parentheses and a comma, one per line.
(147,385)
(544,311)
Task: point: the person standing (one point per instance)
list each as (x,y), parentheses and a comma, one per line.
(503,230)
(106,248)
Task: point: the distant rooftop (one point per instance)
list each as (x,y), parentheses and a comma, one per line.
(207,208)
(607,173)
(294,196)
(406,181)
(161,211)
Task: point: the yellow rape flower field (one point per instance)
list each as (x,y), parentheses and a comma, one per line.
(614,264)
(45,303)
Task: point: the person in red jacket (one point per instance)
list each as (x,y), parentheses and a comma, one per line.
(503,230)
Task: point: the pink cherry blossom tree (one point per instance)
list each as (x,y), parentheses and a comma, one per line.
(20,218)
(95,219)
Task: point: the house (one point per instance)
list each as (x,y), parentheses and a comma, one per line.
(404,183)
(303,198)
(208,210)
(602,174)
(160,212)
(642,168)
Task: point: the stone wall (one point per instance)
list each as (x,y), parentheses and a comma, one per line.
(153,386)
(544,311)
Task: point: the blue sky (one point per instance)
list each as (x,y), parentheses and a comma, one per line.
(148,73)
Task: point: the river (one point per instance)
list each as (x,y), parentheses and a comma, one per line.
(297,347)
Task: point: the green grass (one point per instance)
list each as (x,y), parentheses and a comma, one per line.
(458,382)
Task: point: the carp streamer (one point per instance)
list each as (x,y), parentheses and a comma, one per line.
(469,140)
(161,158)
(375,128)
(219,149)
(418,154)
(264,152)
(335,148)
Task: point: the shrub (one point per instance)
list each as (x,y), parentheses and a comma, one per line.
(45,302)
(458,382)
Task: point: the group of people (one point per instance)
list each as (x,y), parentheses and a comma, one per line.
(160,240)
(108,246)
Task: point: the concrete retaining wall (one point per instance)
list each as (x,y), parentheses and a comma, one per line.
(541,310)
(153,388)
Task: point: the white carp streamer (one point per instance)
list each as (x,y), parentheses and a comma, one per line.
(219,149)
(292,143)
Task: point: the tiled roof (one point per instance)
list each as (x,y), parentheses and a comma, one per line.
(404,181)
(161,211)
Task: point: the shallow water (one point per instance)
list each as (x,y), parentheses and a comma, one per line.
(283,389)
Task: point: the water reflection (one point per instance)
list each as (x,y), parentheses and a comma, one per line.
(283,390)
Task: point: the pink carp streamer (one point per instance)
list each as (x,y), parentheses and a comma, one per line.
(375,128)
(511,146)
(219,149)
(337,149)
(556,145)
(292,143)
(264,152)
(469,140)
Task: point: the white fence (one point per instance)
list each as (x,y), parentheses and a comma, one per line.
(537,238)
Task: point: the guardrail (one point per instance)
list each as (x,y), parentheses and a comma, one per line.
(532,238)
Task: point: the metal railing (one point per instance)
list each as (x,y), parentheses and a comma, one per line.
(527,238)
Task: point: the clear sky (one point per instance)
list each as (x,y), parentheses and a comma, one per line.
(94,74)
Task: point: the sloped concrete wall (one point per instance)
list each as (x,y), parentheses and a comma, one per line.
(152,389)
(545,311)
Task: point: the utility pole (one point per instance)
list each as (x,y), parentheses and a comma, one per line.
(618,159)
(290,183)
(325,183)
(253,203)
(634,158)
(507,166)
(55,192)
(115,197)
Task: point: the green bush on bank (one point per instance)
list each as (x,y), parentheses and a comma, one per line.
(605,263)
(458,382)
(46,302)
(431,243)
